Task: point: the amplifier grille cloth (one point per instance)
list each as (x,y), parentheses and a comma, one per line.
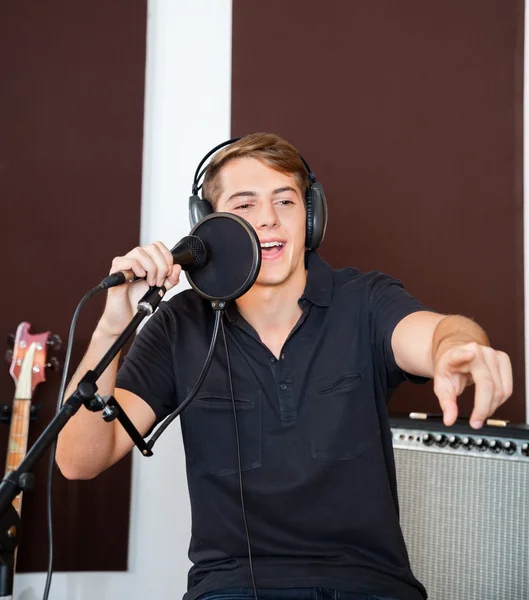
(466,524)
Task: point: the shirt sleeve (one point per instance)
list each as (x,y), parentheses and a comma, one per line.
(389,303)
(148,369)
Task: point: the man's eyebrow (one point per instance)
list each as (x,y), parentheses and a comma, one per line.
(241,194)
(252,194)
(287,188)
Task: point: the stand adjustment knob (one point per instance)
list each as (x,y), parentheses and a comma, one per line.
(110,413)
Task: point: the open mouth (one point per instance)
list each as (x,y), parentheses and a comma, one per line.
(270,249)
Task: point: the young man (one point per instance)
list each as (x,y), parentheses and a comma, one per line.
(315,354)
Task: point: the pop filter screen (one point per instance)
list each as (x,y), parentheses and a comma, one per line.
(234,257)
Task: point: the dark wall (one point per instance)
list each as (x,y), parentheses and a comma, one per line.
(410,113)
(71,112)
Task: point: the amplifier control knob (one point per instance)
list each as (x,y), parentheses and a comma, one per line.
(481,444)
(495,446)
(427,439)
(509,447)
(467,443)
(525,449)
(441,439)
(454,441)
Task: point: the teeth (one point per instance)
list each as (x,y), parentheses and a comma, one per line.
(271,244)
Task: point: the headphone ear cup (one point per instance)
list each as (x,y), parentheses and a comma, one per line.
(199,208)
(316,204)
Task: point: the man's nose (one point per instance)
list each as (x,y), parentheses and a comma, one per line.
(267,215)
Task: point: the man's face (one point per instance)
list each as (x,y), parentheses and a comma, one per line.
(273,204)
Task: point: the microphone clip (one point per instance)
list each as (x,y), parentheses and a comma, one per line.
(218,304)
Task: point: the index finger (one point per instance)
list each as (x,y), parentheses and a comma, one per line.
(166,252)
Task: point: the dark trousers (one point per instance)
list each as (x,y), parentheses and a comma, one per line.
(289,594)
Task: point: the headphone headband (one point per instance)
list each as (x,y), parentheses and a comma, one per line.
(200,174)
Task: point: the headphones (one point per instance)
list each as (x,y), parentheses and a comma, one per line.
(315,201)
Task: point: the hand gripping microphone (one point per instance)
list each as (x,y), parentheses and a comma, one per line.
(190,252)
(221,257)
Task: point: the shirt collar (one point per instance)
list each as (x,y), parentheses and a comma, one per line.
(319,280)
(231,312)
(318,289)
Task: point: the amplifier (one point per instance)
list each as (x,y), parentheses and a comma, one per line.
(464,508)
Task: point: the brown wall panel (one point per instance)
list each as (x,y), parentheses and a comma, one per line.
(71,112)
(410,113)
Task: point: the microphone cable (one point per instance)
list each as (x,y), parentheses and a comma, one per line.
(219,324)
(250,561)
(51,463)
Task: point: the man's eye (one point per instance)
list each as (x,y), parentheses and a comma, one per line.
(243,206)
(284,202)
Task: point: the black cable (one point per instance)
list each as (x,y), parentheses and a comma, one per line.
(62,389)
(51,463)
(199,382)
(239,461)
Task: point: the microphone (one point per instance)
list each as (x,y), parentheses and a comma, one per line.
(190,252)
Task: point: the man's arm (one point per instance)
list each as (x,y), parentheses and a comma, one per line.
(88,445)
(455,351)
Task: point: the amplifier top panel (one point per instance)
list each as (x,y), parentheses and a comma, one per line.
(491,442)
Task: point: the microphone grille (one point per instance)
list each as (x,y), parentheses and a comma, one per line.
(198,250)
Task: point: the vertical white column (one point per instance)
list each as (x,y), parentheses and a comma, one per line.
(188,105)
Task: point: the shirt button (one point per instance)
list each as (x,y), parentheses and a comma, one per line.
(283,386)
(272,359)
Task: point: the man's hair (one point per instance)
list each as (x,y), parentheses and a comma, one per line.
(269,148)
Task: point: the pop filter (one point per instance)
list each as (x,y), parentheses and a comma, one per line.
(234,257)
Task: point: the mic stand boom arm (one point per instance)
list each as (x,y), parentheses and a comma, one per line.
(86,393)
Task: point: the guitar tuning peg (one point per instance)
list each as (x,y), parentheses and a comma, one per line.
(9,355)
(11,340)
(54,342)
(53,364)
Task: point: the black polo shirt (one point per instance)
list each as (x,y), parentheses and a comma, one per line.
(317,458)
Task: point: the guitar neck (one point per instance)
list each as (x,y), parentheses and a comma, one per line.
(28,366)
(18,440)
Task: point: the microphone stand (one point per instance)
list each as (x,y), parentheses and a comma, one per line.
(22,478)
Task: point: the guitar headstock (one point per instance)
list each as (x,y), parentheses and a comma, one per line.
(29,355)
